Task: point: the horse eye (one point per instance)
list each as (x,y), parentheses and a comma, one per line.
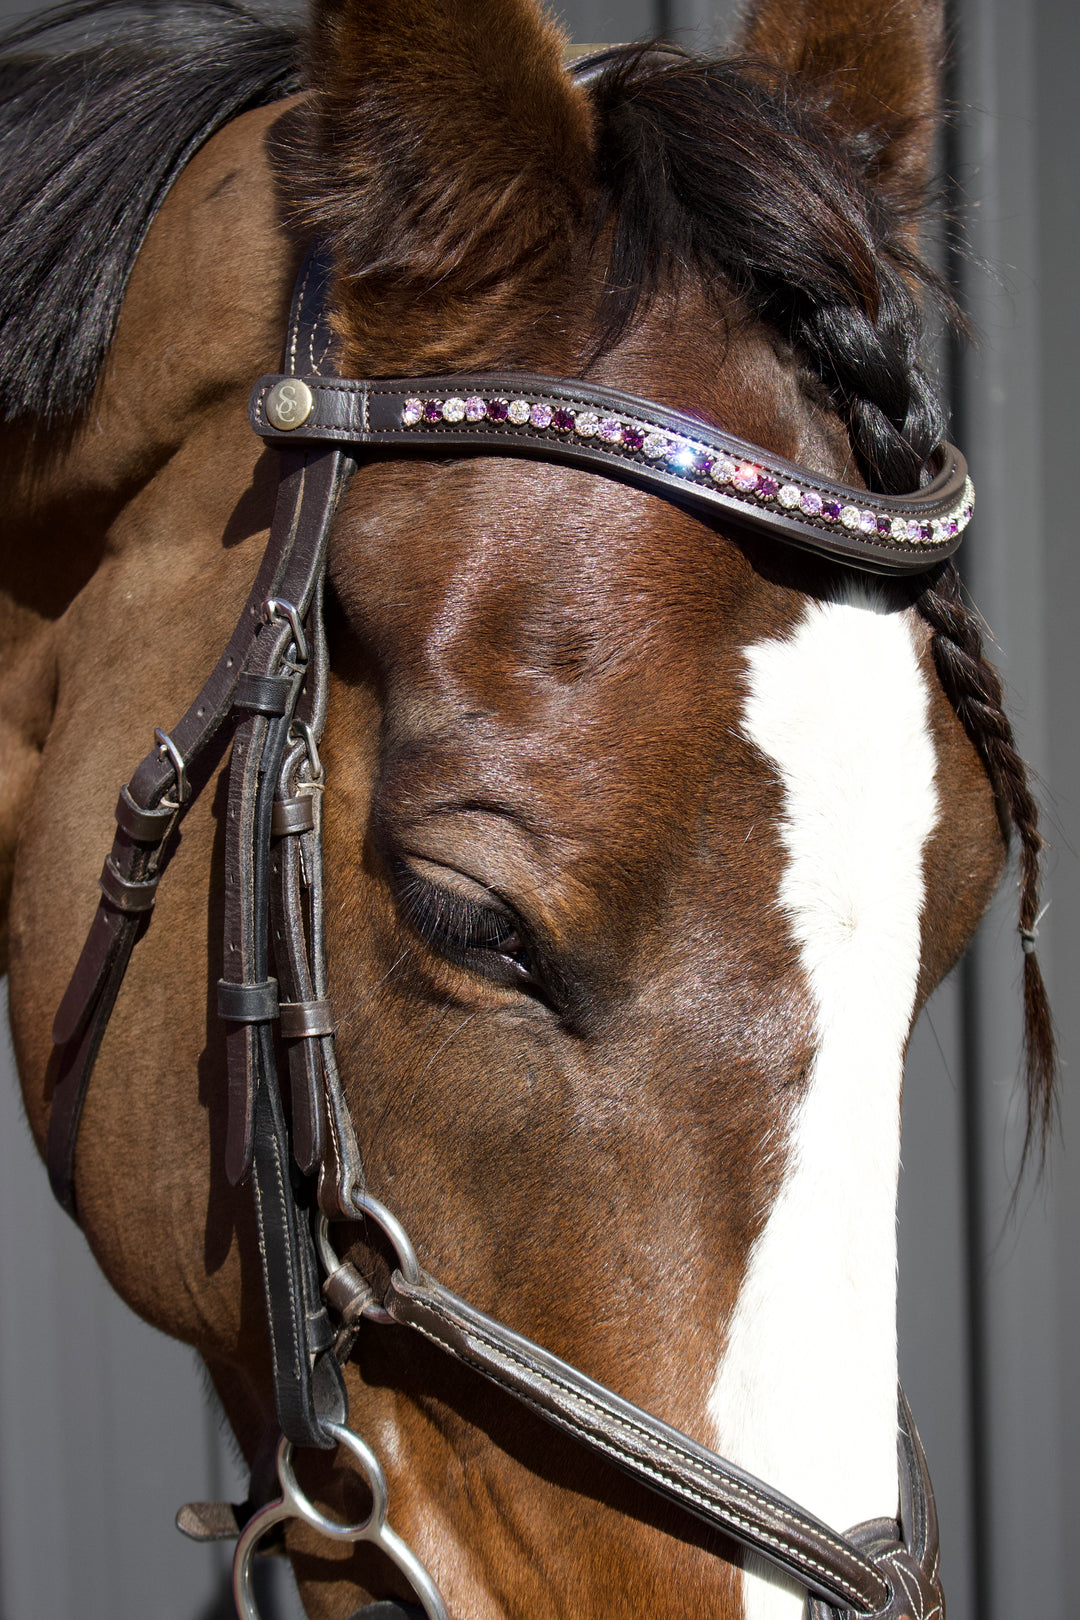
(475,934)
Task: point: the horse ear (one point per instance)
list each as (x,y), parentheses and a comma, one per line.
(874,66)
(446,156)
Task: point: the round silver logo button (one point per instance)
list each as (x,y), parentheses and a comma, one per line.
(289,404)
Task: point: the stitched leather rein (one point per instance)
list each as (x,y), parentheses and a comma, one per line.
(269,687)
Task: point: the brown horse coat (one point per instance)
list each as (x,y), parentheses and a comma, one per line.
(539,680)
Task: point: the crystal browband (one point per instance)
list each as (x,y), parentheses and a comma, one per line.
(619,434)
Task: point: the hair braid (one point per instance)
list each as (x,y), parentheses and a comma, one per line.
(720,167)
(973,688)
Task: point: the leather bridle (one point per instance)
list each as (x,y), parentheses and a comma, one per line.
(270,687)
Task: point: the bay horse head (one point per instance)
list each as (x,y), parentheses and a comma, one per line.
(645,838)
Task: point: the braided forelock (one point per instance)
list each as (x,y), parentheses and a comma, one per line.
(717,166)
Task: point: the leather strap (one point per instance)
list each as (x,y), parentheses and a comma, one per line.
(624,436)
(658,1456)
(907,1552)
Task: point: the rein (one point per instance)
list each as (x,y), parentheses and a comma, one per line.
(270,688)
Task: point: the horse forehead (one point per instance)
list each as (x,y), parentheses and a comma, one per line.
(504,572)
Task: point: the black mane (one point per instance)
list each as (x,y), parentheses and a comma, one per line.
(718,168)
(92,137)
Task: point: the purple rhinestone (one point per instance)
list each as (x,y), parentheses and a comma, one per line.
(563,421)
(703,464)
(867,523)
(632,438)
(498,410)
(611,430)
(540,416)
(475,408)
(767,488)
(831,510)
(926,530)
(432,410)
(951,527)
(884,526)
(811,503)
(914,532)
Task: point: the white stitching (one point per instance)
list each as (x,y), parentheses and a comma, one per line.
(735,1485)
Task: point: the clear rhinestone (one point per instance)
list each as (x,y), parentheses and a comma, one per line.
(722,470)
(682,457)
(519,412)
(588,424)
(788,495)
(656,446)
(475,408)
(454,410)
(810,502)
(899,528)
(938,530)
(867,523)
(412,412)
(849,517)
(540,416)
(610,430)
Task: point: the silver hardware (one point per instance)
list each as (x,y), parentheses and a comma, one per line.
(167,746)
(392,1229)
(289,404)
(275,607)
(315,765)
(294,1503)
(331,1260)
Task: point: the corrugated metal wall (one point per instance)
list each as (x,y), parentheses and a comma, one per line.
(103,1428)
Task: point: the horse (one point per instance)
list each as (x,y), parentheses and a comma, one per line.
(644,834)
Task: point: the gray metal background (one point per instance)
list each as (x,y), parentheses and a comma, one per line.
(103,1425)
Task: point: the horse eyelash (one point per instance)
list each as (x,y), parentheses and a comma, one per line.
(443,918)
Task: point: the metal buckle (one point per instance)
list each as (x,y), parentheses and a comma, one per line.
(393,1231)
(167,746)
(275,607)
(294,1503)
(314,763)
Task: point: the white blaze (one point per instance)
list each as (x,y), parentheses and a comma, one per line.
(805,1394)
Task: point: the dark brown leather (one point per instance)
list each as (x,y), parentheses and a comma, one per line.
(907,1553)
(143,839)
(660,1457)
(307,492)
(364,413)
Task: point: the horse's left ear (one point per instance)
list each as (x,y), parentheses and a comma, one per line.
(446,157)
(874,66)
